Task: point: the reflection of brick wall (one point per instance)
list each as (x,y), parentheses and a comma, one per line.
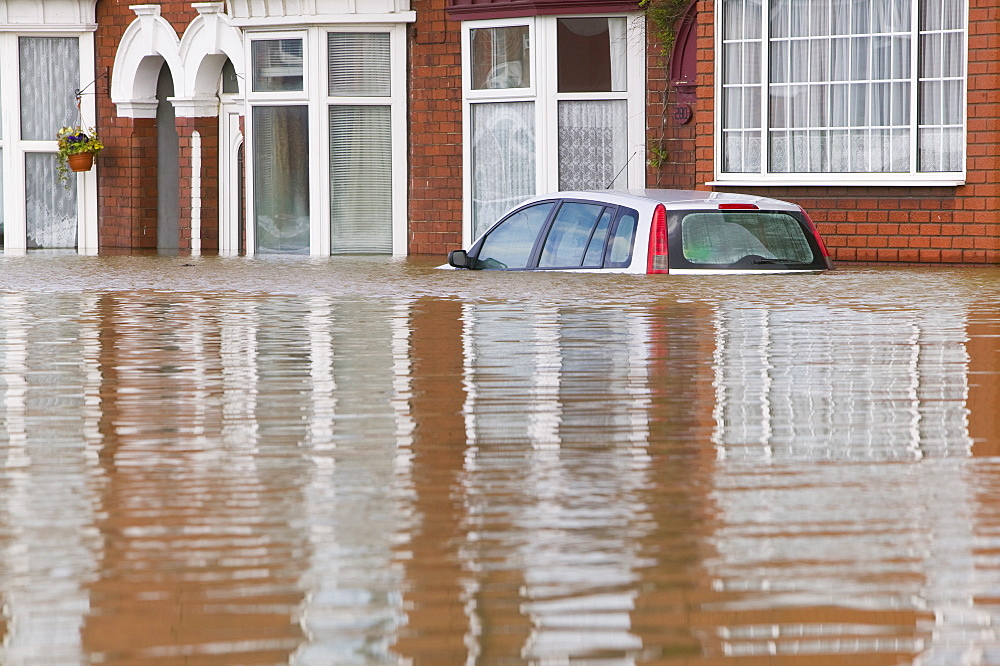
(435,131)
(896,224)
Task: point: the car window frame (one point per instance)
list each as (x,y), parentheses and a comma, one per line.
(474,251)
(618,212)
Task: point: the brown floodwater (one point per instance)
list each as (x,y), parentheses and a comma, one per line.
(369,461)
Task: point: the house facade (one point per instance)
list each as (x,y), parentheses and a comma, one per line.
(407,126)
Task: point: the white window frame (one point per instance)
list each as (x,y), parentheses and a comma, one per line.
(764,177)
(543,94)
(14,149)
(315,95)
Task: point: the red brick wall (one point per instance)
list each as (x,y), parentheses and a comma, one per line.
(897,224)
(208,128)
(435,150)
(127,182)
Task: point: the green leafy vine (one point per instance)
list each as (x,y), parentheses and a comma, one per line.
(663,18)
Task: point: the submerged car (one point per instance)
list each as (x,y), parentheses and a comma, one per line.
(650,231)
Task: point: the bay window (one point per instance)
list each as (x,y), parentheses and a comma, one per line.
(551,103)
(834,91)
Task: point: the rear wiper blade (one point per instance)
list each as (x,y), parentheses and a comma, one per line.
(790,262)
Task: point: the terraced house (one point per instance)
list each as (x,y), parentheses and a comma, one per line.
(407,126)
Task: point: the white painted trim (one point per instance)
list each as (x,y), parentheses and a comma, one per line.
(14,149)
(326,20)
(230,141)
(195,193)
(195,61)
(48,16)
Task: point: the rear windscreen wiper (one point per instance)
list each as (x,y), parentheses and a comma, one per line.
(790,262)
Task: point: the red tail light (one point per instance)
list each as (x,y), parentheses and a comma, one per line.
(657,261)
(815,233)
(738,206)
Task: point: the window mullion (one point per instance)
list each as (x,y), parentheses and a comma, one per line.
(914,85)
(765,87)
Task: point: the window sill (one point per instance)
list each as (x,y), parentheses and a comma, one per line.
(853,181)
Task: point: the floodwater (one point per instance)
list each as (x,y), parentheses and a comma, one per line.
(368,461)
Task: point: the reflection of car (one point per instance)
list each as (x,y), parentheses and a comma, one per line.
(650,231)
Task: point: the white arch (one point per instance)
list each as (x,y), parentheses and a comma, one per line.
(195,61)
(207,42)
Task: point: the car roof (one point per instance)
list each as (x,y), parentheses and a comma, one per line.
(669,198)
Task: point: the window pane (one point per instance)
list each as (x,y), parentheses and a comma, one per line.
(509,245)
(621,242)
(360,179)
(50,73)
(569,235)
(591,54)
(592,145)
(281,178)
(500,58)
(359,64)
(277,65)
(50,206)
(503,159)
(595,249)
(725,238)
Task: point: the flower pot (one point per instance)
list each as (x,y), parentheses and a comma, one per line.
(80,161)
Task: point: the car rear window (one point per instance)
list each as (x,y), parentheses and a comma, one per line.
(717,237)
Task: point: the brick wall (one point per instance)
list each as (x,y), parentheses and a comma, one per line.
(127,181)
(676,140)
(896,224)
(435,125)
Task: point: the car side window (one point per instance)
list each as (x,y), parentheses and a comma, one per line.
(571,235)
(620,251)
(509,244)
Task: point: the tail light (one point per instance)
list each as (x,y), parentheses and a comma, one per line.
(738,206)
(657,261)
(819,239)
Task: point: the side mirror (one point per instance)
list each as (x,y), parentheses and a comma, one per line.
(458,259)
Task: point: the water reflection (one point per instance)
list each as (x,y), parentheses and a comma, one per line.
(317,479)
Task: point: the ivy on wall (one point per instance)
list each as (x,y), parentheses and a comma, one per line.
(663,17)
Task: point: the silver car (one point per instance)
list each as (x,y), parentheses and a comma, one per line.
(650,231)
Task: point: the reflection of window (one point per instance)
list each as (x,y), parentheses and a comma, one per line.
(836,96)
(622,240)
(277,65)
(591,54)
(510,244)
(500,57)
(577,233)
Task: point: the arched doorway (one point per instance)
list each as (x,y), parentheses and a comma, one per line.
(167,165)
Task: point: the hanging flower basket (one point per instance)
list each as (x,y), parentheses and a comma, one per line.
(80,161)
(77,148)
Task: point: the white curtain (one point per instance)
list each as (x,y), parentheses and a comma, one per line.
(592,145)
(619,51)
(503,159)
(50,73)
(281,178)
(50,208)
(360,179)
(840,83)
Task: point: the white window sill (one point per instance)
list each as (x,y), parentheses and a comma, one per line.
(853,181)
